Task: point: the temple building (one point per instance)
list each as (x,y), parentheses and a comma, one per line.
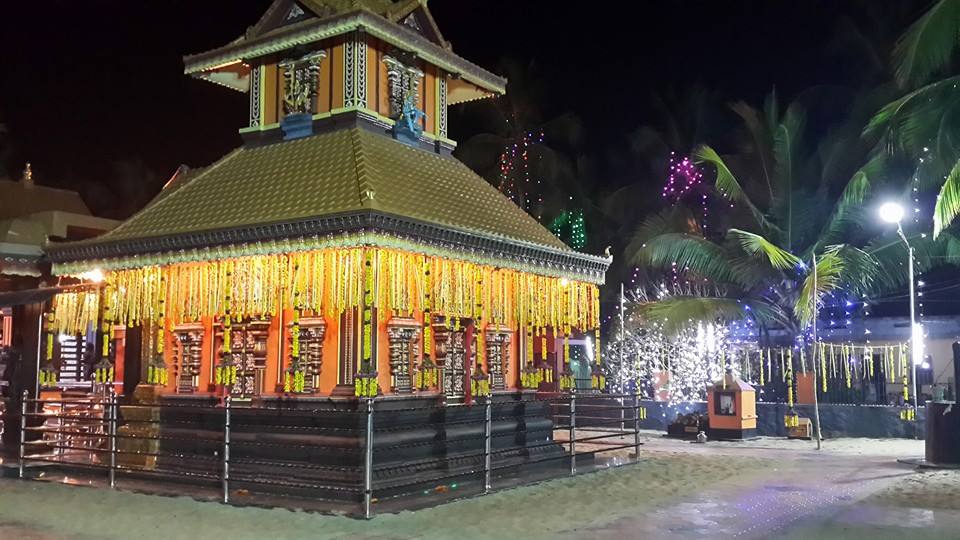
(30,215)
(341,250)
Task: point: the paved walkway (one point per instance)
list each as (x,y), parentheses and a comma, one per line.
(765,489)
(803,491)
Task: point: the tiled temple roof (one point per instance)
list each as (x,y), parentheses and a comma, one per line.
(340,172)
(284,190)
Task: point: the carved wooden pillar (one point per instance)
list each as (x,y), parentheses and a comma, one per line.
(456,364)
(498,342)
(441,348)
(312,332)
(404,334)
(187,355)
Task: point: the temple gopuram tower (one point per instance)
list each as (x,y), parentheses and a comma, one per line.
(341,250)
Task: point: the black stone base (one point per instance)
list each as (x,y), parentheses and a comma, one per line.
(315,447)
(732,434)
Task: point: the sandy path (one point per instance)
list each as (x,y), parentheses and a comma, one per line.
(769,488)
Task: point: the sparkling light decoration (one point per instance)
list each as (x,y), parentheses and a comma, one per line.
(515,180)
(571,228)
(684,176)
(678,367)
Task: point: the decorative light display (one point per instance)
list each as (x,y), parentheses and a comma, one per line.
(679,367)
(683,179)
(332,281)
(377,282)
(684,176)
(515,180)
(571,228)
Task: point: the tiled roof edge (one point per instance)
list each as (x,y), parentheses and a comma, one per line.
(471,245)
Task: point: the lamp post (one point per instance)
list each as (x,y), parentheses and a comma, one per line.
(892,212)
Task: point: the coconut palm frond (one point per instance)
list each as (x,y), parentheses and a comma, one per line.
(786,142)
(689,253)
(758,246)
(680,312)
(928,45)
(761,139)
(675,219)
(846,212)
(828,275)
(893,111)
(948,202)
(727,184)
(860,269)
(891,256)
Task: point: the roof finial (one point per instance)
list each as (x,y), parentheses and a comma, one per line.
(27,176)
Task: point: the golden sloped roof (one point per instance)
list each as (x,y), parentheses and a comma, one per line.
(341,172)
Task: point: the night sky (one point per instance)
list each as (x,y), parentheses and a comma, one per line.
(94,96)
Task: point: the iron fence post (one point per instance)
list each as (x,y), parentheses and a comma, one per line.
(226,449)
(573,432)
(487,434)
(112,434)
(23,428)
(636,425)
(368,463)
(623,415)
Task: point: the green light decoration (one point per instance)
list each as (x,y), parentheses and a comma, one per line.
(570,227)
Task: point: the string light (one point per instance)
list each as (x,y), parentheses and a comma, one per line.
(515,180)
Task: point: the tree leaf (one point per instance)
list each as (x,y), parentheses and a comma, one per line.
(689,253)
(828,270)
(758,246)
(680,312)
(948,201)
(927,46)
(728,185)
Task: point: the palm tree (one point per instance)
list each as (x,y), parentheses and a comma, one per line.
(773,205)
(923,123)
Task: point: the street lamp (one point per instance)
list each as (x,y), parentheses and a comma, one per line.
(892,212)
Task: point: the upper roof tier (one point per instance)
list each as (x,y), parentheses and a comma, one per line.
(402,25)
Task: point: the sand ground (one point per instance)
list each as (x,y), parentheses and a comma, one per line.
(769,488)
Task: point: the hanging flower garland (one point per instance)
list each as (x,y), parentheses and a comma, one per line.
(103,371)
(225,374)
(365,383)
(480,380)
(426,376)
(331,281)
(295,376)
(157,368)
(48,373)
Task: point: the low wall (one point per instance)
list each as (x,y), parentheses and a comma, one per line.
(836,420)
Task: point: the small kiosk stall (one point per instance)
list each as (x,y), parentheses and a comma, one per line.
(732,409)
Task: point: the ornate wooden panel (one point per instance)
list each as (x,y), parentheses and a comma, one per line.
(498,341)
(313,330)
(188,352)
(404,337)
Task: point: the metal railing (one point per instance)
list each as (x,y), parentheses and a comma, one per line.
(414,456)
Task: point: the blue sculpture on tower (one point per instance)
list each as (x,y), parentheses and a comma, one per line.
(409,126)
